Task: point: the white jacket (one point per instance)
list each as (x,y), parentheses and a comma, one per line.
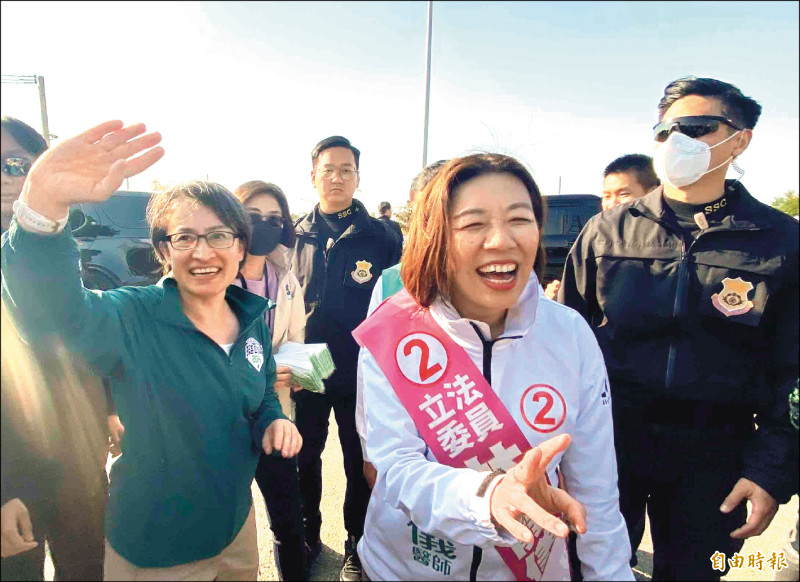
(290,314)
(415,495)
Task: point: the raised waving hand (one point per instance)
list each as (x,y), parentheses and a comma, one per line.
(89,167)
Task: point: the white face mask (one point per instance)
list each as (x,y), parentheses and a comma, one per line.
(681,160)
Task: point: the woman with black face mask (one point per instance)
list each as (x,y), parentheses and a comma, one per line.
(266,273)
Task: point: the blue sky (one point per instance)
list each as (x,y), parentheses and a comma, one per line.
(243,91)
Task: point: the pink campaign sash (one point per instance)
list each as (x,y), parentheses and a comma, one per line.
(455,410)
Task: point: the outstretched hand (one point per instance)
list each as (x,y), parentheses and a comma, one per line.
(524,490)
(89,167)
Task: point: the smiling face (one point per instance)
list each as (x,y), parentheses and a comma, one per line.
(494,239)
(335,194)
(202,272)
(619,188)
(11,185)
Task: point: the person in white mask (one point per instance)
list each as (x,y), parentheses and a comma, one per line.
(692,292)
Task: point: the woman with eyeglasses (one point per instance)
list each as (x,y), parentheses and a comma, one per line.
(21,146)
(266,273)
(190,358)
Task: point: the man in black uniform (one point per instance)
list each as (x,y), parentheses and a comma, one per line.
(692,292)
(339,254)
(385,215)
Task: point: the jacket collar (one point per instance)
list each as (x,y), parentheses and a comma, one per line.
(309,226)
(519,321)
(246,305)
(748,213)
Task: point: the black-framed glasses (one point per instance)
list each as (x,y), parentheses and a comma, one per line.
(16,167)
(345,174)
(184,241)
(693,126)
(270,219)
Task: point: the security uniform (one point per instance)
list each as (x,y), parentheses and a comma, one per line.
(697,317)
(337,260)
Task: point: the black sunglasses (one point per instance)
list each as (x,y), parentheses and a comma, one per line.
(693,126)
(16,167)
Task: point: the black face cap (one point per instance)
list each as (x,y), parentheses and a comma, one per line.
(334,141)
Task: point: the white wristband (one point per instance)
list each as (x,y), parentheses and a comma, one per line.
(32,221)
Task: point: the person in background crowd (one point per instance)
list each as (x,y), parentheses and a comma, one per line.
(387,285)
(469,454)
(67,500)
(189,359)
(625,179)
(339,254)
(692,292)
(266,273)
(790,548)
(385,216)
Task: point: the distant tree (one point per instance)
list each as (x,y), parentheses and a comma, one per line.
(787,203)
(402,215)
(295,216)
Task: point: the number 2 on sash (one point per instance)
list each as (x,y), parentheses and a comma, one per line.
(425,372)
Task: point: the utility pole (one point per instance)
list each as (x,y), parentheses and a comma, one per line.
(43,105)
(34,80)
(427,85)
(559,184)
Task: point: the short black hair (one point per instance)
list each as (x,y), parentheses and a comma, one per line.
(213,196)
(30,139)
(334,141)
(426,175)
(383,207)
(639,164)
(743,110)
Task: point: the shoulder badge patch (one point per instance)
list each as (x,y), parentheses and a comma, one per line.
(732,300)
(254,353)
(362,273)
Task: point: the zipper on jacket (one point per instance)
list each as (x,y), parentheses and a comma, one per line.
(477,553)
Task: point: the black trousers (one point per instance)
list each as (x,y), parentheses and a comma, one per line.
(73,525)
(681,475)
(279,483)
(311,417)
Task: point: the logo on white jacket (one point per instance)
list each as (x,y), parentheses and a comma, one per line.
(732,300)
(543,408)
(254,353)
(362,273)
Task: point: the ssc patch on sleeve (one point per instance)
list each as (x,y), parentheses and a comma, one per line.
(254,353)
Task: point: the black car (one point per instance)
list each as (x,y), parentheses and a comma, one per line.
(114,241)
(566,216)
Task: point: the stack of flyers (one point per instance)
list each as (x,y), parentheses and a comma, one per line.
(310,364)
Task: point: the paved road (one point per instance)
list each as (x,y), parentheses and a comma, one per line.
(328,564)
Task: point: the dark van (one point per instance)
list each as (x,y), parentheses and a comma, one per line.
(114,242)
(566,216)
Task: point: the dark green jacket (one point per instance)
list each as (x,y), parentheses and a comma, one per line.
(194,417)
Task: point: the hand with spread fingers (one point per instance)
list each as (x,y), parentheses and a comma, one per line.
(282,435)
(89,167)
(524,490)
